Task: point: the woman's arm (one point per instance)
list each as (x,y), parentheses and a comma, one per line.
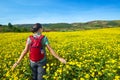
(54,54)
(22,55)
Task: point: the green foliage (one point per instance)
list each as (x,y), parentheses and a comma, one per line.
(10,25)
(62,26)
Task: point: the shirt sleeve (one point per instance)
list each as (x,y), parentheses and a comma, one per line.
(45,40)
(28,40)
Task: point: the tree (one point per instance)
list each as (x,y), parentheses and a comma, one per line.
(10,25)
(0,24)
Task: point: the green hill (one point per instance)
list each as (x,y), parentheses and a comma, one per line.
(97,24)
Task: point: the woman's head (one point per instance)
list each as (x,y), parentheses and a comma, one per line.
(37,28)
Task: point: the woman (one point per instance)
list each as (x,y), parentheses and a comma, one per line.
(36,44)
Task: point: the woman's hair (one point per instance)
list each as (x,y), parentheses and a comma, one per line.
(36,27)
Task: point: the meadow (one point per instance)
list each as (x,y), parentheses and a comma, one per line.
(90,55)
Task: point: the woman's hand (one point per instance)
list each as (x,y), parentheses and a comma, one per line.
(62,60)
(55,55)
(21,56)
(14,66)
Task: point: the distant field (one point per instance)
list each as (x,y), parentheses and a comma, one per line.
(90,55)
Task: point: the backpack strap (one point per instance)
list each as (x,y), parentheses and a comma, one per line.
(40,37)
(31,37)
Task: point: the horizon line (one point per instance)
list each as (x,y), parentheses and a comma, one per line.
(63,22)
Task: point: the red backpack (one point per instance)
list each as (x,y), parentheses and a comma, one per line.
(36,50)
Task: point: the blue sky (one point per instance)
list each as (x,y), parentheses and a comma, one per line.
(58,11)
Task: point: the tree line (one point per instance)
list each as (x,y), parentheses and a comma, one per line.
(13,28)
(97,24)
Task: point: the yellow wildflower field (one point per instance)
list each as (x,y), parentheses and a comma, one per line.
(90,55)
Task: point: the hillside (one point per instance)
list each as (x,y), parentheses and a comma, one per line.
(97,24)
(79,26)
(67,26)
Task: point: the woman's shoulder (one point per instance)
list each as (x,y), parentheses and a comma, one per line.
(45,37)
(28,40)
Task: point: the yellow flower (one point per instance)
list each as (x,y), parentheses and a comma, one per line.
(44,66)
(92,74)
(95,79)
(100,73)
(52,64)
(45,77)
(87,76)
(117,77)
(7,74)
(82,79)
